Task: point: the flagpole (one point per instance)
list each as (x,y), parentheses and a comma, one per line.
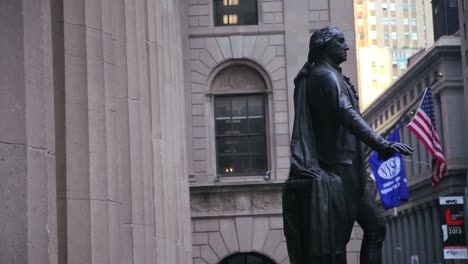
(405,113)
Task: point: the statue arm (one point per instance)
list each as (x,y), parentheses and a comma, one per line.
(337,96)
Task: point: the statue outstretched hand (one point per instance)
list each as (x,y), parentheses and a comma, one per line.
(394,147)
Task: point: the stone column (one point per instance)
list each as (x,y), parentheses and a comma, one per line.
(86,193)
(453,128)
(172,214)
(27,134)
(93,91)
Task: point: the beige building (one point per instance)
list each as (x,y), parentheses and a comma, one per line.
(92,152)
(378,76)
(463,17)
(151,131)
(243,58)
(402,27)
(414,228)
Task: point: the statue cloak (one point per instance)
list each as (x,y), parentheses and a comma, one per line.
(314,210)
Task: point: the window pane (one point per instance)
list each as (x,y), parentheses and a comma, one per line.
(239,145)
(255,106)
(225,165)
(239,106)
(223,126)
(257,125)
(224,146)
(240,259)
(235,12)
(239,126)
(223,107)
(252,259)
(258,164)
(240,164)
(257,144)
(247,12)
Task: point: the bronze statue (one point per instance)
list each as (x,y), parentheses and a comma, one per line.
(326,190)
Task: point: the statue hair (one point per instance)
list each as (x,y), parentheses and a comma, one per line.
(319,41)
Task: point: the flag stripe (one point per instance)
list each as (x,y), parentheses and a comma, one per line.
(423,126)
(425,119)
(420,122)
(423,137)
(430,130)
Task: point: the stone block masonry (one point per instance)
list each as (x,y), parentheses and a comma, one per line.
(92,164)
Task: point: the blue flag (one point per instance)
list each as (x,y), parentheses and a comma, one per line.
(390,176)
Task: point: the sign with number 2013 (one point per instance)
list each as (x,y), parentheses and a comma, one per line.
(453,227)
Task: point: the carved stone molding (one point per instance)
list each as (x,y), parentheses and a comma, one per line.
(238,78)
(255,201)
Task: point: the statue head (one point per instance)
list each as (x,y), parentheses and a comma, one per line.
(328,42)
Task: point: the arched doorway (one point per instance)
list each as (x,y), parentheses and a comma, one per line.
(246,258)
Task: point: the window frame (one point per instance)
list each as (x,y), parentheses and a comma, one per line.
(213,10)
(265,134)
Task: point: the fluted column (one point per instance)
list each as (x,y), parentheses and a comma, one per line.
(169,136)
(93,155)
(27,134)
(87,190)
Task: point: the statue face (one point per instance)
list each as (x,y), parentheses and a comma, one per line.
(337,49)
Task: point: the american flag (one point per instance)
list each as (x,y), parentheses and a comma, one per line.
(424,127)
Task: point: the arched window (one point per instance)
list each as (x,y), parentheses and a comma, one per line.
(246,258)
(240,121)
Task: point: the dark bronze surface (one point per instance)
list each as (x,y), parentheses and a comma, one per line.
(326,191)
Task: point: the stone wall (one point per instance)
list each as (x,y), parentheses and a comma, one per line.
(211,54)
(229,219)
(92,164)
(232,219)
(463,17)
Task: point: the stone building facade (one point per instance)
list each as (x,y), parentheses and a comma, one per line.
(92,110)
(414,230)
(236,204)
(463,18)
(108,114)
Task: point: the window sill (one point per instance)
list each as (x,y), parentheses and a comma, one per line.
(241,179)
(237,186)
